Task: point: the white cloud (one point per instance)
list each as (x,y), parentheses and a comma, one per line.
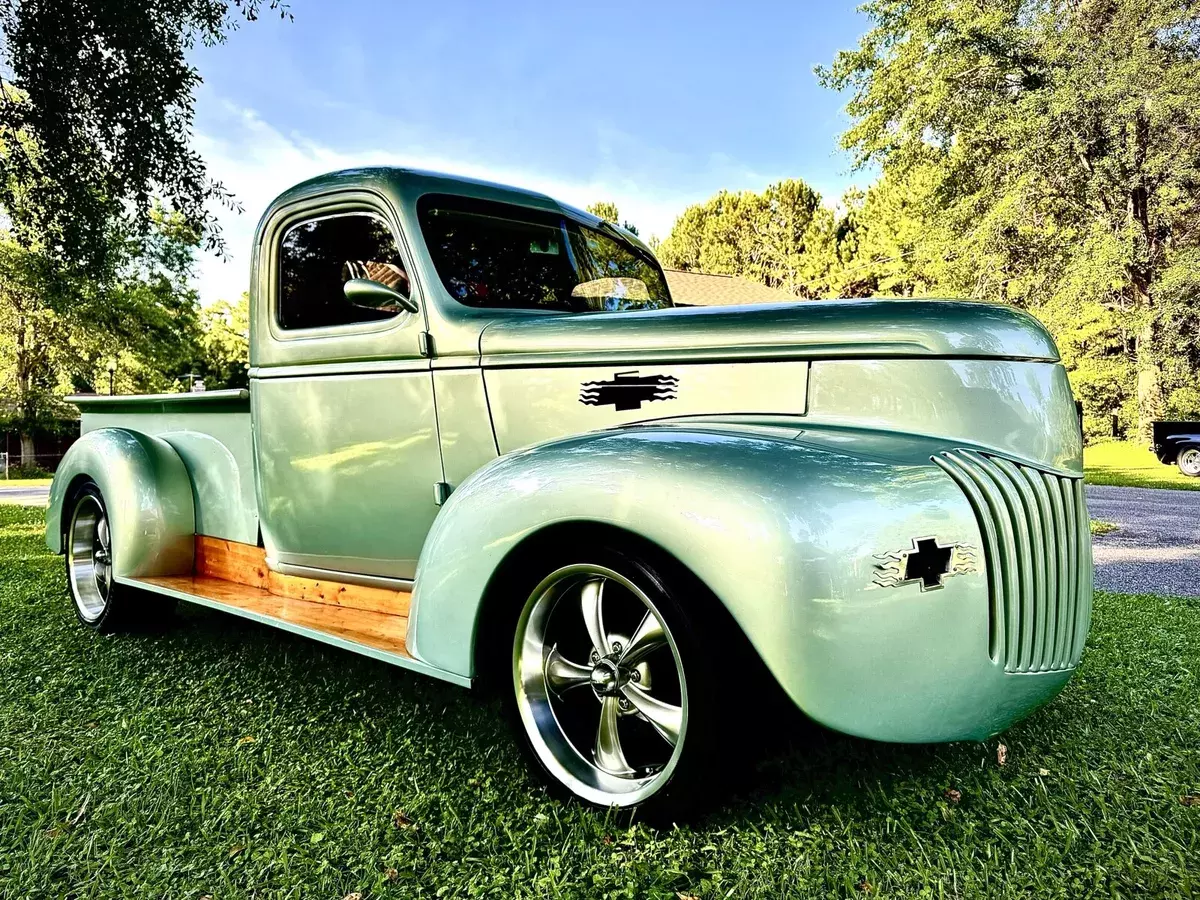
(257,162)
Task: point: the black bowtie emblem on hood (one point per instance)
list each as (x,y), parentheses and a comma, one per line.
(628,390)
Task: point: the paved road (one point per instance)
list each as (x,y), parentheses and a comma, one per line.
(1156,547)
(30,496)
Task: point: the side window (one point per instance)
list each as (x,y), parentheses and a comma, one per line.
(317,258)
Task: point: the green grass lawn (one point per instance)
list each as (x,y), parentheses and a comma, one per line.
(228,760)
(1126,464)
(24,482)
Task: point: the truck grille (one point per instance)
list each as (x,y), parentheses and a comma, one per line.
(1038,545)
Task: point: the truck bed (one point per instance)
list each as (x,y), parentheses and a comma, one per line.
(210,431)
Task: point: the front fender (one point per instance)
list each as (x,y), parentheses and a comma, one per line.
(147,493)
(787,536)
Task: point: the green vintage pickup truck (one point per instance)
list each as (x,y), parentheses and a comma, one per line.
(481,443)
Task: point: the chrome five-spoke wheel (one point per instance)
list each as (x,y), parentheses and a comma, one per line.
(89,558)
(101,602)
(600,685)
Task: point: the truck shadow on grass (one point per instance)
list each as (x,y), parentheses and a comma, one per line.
(795,768)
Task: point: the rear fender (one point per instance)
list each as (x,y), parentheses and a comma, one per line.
(147,493)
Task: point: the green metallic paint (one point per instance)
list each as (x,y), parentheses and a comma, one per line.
(464,422)
(799,448)
(1023,409)
(148,495)
(532,405)
(271,345)
(786,536)
(343,491)
(815,329)
(211,433)
(236,400)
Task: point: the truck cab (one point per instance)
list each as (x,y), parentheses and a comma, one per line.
(476,420)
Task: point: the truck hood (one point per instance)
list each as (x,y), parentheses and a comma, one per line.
(801,330)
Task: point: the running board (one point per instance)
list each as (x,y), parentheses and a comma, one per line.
(234,578)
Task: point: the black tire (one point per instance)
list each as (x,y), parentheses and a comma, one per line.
(101,603)
(1188,460)
(710,746)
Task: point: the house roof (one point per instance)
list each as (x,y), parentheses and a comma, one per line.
(698,289)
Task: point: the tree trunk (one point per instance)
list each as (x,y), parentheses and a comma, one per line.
(1149,383)
(1144,274)
(28,457)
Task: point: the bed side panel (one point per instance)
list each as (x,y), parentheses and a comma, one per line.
(217,449)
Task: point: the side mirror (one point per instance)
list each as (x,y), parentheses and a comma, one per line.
(373,295)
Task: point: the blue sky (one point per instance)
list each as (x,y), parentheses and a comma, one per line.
(651,105)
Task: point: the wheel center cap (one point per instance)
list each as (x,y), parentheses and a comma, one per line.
(606,678)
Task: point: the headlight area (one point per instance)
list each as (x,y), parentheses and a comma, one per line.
(897,630)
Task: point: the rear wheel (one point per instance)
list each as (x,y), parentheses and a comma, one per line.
(1189,461)
(613,700)
(100,602)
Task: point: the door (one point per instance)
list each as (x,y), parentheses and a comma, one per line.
(345,430)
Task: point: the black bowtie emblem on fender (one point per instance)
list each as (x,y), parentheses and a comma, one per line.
(628,390)
(927,562)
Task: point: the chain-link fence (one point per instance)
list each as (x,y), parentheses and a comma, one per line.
(49,447)
(13,466)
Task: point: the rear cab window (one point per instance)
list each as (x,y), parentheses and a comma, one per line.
(503,256)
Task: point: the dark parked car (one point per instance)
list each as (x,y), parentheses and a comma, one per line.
(1179,443)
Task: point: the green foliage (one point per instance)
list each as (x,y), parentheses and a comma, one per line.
(607,210)
(36,350)
(61,328)
(22,476)
(782,237)
(98,111)
(226,759)
(1063,146)
(223,345)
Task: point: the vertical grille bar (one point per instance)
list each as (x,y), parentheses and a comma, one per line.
(1084,620)
(1062,621)
(1037,543)
(1071,550)
(1022,609)
(1034,599)
(1000,552)
(1048,615)
(993,549)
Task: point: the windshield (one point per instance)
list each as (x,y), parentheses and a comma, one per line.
(501,256)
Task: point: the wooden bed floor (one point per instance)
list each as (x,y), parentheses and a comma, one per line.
(382,631)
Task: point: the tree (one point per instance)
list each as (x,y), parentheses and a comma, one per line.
(607,210)
(97,115)
(1062,141)
(782,237)
(223,343)
(889,242)
(33,340)
(60,326)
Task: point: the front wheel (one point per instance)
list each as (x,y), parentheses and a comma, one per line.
(614,702)
(1189,461)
